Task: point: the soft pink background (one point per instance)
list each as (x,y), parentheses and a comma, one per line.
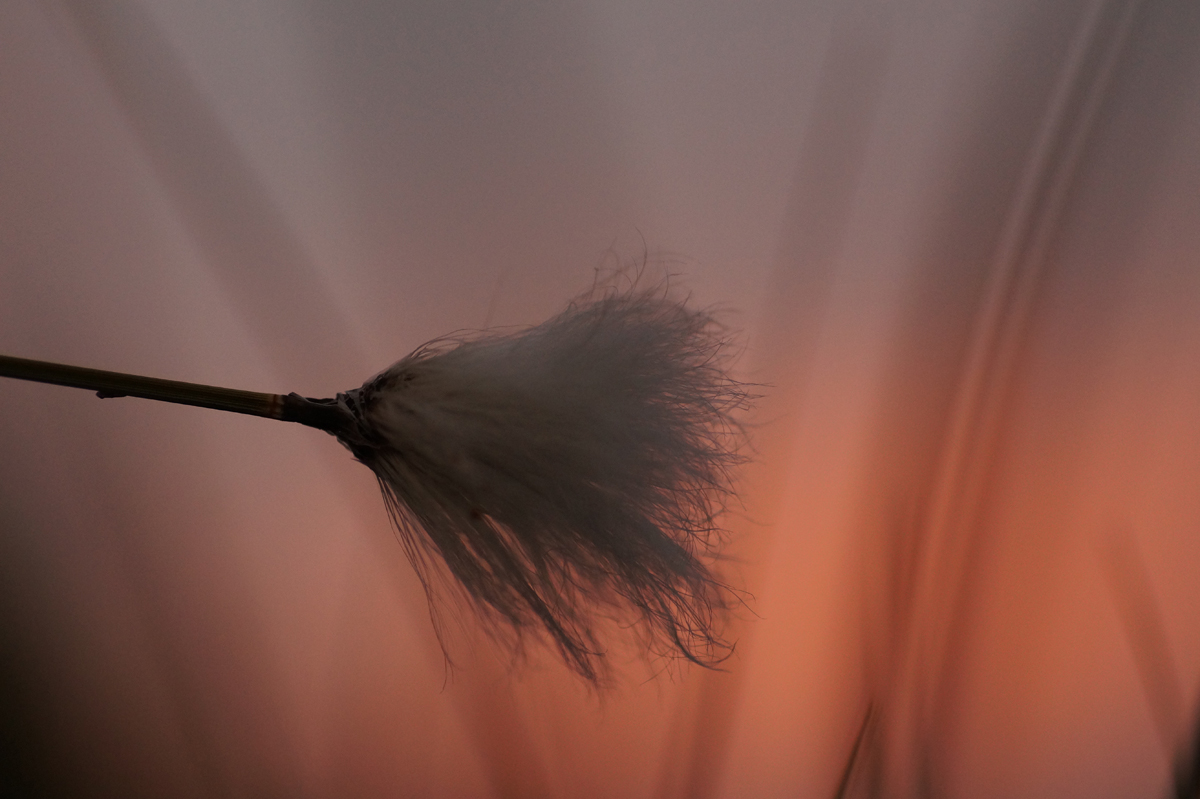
(961,241)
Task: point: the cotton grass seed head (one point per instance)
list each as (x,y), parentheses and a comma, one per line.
(569,473)
(558,478)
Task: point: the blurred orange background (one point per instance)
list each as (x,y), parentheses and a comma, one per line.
(960,242)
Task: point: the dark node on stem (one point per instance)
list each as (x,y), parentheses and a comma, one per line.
(330,415)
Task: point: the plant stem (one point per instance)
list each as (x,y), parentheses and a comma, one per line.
(322,414)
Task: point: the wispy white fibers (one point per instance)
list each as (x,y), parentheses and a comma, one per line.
(567,473)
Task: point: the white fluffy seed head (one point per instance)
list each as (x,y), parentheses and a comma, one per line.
(569,472)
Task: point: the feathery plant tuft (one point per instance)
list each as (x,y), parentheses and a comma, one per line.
(573,469)
(565,476)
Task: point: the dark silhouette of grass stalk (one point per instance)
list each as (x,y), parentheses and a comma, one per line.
(1139,609)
